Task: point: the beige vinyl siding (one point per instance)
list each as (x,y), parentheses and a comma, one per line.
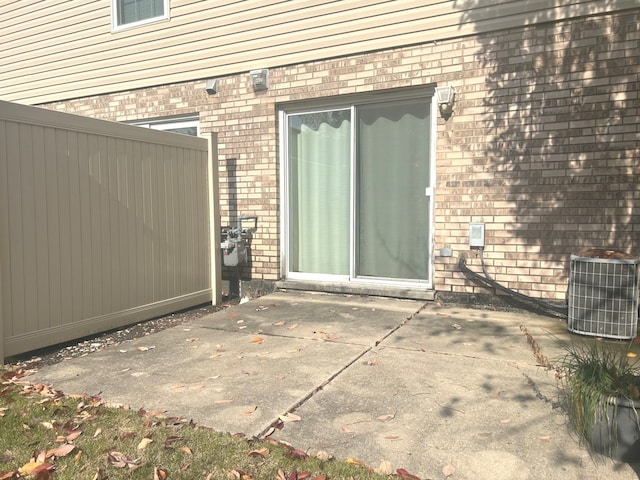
(101,225)
(67,49)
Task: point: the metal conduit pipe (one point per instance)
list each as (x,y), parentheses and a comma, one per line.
(535,304)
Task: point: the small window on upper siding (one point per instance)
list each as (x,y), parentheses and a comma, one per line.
(131,13)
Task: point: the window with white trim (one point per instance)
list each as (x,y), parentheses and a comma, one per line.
(184,125)
(131,13)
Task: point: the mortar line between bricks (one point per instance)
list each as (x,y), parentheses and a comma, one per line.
(267,430)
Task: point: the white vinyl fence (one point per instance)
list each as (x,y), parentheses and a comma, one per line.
(101,225)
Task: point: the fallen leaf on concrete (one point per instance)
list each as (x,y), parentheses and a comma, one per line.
(386,417)
(384,468)
(257,340)
(290,417)
(295,325)
(448,470)
(391,437)
(250,410)
(402,473)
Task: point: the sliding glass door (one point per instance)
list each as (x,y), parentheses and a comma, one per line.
(358,193)
(319,146)
(393,173)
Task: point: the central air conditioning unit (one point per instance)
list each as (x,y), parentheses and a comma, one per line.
(603,294)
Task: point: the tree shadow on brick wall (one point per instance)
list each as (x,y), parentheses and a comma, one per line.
(561,112)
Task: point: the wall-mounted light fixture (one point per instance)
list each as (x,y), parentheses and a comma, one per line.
(212,86)
(259,79)
(445,96)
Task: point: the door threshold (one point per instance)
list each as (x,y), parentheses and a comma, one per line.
(375,290)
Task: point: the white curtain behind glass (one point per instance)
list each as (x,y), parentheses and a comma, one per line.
(319,175)
(393,173)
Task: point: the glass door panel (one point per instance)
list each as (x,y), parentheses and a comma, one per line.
(393,175)
(319,163)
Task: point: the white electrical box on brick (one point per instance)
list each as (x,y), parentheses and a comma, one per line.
(476,235)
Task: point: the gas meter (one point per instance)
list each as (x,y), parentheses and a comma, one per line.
(236,241)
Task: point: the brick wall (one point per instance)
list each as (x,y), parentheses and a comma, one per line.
(542,146)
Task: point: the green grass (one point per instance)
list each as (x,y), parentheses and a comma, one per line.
(97,442)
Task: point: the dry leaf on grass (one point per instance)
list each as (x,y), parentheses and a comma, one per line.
(159,473)
(61,451)
(34,468)
(260,452)
(144,443)
(120,460)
